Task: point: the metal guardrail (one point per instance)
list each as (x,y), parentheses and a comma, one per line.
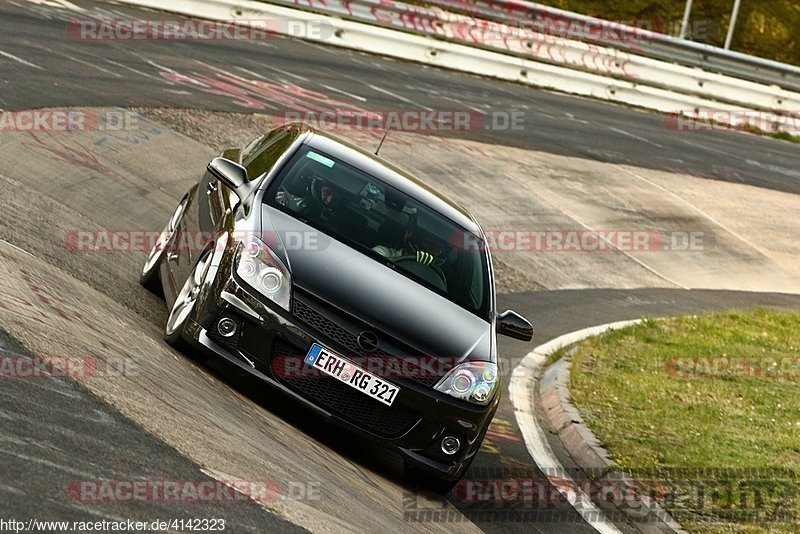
(521,40)
(634,40)
(377,36)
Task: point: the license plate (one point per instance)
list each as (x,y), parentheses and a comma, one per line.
(351,374)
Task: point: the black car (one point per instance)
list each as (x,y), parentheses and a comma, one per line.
(346,283)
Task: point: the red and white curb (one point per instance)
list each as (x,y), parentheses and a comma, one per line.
(522,390)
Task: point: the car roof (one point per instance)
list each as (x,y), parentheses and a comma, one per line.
(390,174)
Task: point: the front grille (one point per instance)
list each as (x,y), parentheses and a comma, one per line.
(327,327)
(349,341)
(338,398)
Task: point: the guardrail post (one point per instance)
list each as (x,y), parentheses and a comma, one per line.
(685,22)
(732,25)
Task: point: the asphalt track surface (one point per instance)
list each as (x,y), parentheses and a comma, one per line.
(72,72)
(68,434)
(59,431)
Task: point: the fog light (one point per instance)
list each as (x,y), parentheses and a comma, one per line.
(226,327)
(450,445)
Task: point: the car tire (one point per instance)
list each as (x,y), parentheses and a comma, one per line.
(150,277)
(182,309)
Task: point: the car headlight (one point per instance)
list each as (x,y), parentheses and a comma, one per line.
(472,381)
(261,269)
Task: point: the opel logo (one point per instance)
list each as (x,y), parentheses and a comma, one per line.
(368,341)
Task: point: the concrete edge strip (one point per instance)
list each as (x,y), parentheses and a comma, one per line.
(522,389)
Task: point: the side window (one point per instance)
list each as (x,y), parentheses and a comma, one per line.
(261,155)
(259,142)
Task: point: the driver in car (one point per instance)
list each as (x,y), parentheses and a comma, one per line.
(311,204)
(426,252)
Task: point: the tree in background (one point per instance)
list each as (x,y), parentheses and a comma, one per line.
(765,28)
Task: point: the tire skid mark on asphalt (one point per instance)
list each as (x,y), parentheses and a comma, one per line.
(694,207)
(169,371)
(562,193)
(58,53)
(262,94)
(82,475)
(79,156)
(99,330)
(279,507)
(20,60)
(633,258)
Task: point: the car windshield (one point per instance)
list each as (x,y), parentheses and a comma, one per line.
(385,224)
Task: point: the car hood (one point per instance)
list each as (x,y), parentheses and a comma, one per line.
(376,294)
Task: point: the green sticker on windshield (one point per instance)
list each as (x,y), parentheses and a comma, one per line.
(320,158)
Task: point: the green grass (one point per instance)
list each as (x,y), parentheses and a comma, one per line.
(734,434)
(556,355)
(786,136)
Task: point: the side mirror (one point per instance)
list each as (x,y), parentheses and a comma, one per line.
(514,325)
(231,174)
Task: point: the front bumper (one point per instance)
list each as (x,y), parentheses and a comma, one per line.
(266,335)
